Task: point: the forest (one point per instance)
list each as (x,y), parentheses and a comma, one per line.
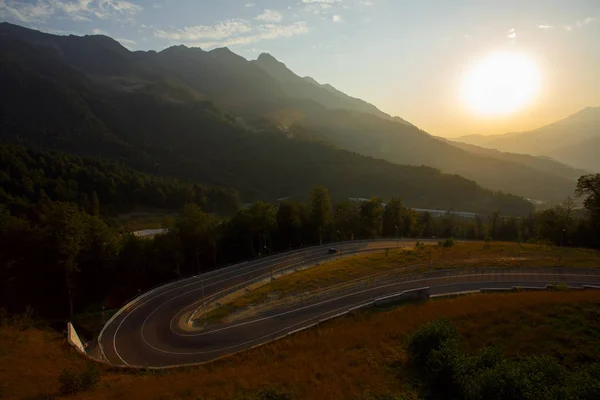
(63,258)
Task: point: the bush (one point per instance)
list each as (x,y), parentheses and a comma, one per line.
(531,378)
(444,370)
(429,338)
(419,245)
(449,242)
(71,382)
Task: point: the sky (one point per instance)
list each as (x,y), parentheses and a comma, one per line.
(409,58)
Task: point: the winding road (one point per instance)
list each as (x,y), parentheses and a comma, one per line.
(151,331)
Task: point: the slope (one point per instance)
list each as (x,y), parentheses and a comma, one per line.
(402,143)
(541,163)
(584,155)
(309,89)
(56,106)
(567,134)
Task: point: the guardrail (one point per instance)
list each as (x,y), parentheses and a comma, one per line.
(224,269)
(315,261)
(419,293)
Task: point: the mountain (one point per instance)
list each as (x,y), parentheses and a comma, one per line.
(541,163)
(309,89)
(585,154)
(265,92)
(397,141)
(125,111)
(567,140)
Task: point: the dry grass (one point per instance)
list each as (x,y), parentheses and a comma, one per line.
(342,359)
(471,255)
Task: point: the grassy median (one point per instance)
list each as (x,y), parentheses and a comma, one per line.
(461,255)
(355,357)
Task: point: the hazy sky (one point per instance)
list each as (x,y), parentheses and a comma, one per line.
(406,57)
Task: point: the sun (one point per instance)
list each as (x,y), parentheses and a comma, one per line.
(501,83)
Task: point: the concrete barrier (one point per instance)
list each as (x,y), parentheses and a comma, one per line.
(73,339)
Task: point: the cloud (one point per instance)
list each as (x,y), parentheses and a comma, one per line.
(366,3)
(270,16)
(232,33)
(585,22)
(221,30)
(545,26)
(511,33)
(579,24)
(337,18)
(25,12)
(97,31)
(319,6)
(247,5)
(77,10)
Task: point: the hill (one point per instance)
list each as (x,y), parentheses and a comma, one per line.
(28,177)
(266,91)
(584,154)
(60,102)
(541,163)
(571,140)
(351,124)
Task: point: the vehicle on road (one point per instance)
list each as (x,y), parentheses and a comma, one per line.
(331,250)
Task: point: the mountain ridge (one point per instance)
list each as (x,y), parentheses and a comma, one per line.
(57,107)
(558,140)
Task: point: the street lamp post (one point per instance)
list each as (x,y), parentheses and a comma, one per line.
(561,236)
(397,242)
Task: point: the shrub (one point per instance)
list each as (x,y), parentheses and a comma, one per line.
(72,382)
(531,378)
(429,338)
(449,242)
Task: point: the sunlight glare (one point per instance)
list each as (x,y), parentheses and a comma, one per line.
(501,83)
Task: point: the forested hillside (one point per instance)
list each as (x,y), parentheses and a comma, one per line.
(245,89)
(28,178)
(56,106)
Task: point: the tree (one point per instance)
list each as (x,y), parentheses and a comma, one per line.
(290,223)
(263,221)
(320,211)
(371,213)
(393,218)
(193,226)
(66,226)
(589,186)
(346,219)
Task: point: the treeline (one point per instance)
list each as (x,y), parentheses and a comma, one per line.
(67,260)
(97,186)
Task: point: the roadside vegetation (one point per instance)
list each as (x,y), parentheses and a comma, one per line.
(363,356)
(444,255)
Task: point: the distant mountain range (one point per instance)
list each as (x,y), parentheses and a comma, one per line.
(255,126)
(90,96)
(574,140)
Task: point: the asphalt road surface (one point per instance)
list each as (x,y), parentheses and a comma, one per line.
(148,332)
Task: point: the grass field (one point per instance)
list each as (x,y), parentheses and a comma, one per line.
(471,255)
(353,357)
